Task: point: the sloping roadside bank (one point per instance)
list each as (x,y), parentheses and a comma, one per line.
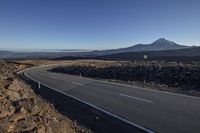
(22,110)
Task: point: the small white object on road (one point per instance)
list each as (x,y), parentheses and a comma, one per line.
(39,85)
(145,57)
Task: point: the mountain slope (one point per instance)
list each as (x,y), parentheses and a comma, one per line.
(178,53)
(158,45)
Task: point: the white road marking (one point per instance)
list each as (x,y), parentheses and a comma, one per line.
(144,100)
(77,83)
(140,88)
(54,77)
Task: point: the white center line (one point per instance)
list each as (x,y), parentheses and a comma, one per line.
(77,83)
(136,98)
(54,77)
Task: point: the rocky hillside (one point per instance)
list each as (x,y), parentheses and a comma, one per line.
(21,110)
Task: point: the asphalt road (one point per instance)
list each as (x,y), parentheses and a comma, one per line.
(148,109)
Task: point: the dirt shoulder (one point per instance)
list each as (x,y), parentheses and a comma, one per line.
(90,62)
(21,110)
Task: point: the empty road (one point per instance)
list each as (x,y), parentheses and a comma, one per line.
(148,109)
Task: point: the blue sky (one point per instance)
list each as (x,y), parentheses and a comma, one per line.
(97,24)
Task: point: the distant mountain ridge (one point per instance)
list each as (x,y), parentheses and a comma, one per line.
(192,53)
(158,45)
(161,44)
(6,54)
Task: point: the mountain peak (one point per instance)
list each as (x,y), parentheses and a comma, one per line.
(162,41)
(158,45)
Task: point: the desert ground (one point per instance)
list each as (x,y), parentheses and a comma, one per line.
(69,62)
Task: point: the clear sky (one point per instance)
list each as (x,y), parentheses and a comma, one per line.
(97,24)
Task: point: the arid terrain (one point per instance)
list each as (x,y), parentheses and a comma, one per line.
(21,110)
(177,77)
(68,62)
(171,76)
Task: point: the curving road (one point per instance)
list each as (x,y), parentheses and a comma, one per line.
(147,109)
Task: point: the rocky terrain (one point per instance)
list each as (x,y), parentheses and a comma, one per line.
(22,111)
(177,77)
(67,62)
